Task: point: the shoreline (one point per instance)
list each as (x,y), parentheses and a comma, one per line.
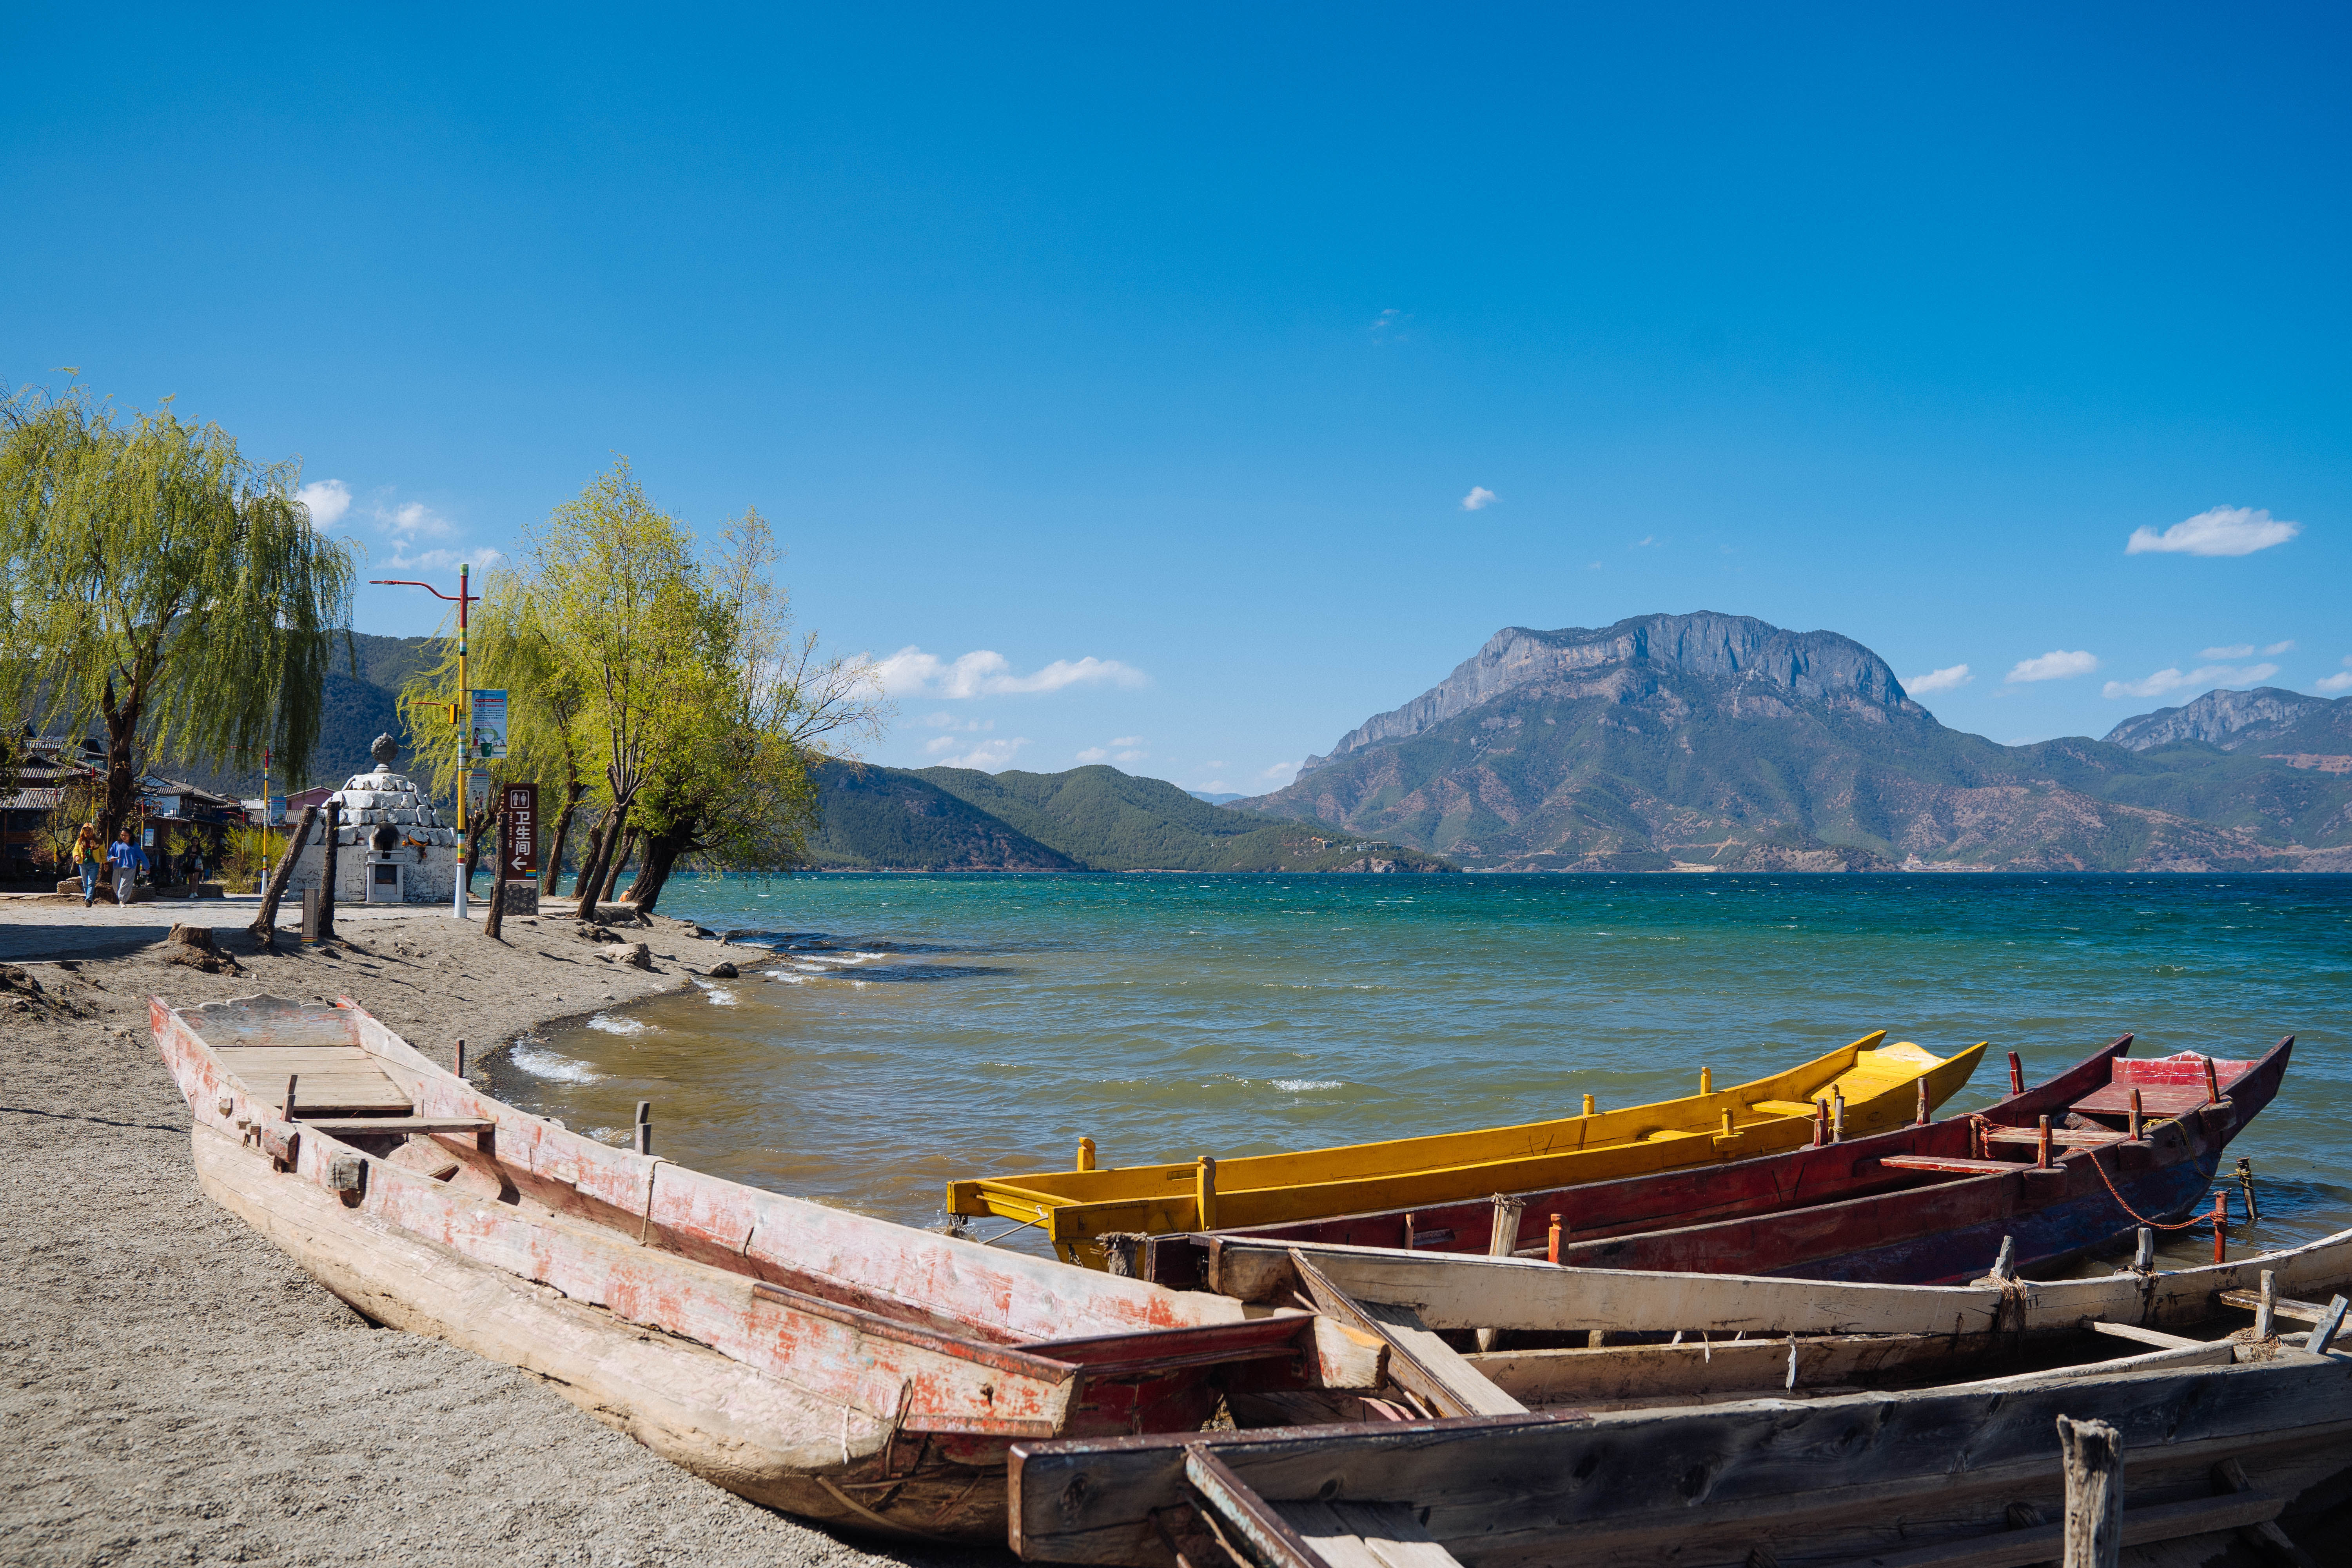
(184,1393)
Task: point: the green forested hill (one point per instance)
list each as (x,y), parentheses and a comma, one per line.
(1088,819)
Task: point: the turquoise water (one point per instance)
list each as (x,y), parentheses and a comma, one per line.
(912,1029)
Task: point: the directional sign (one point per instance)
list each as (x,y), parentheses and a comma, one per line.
(522,829)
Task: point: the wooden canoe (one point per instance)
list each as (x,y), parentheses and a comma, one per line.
(814,1360)
(1919,1205)
(1958,1477)
(1878,1084)
(2225,1436)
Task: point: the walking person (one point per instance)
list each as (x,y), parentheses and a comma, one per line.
(89,854)
(128,861)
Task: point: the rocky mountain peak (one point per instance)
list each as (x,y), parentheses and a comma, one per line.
(2225,719)
(1739,650)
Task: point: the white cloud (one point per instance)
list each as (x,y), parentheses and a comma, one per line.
(2279,648)
(988,756)
(1479,499)
(938,743)
(1951,679)
(2221,531)
(911,672)
(1214,767)
(327,499)
(950,722)
(1387,322)
(2055,665)
(2339,681)
(1647,539)
(2242,651)
(1215,786)
(1281,772)
(1123,749)
(2208,675)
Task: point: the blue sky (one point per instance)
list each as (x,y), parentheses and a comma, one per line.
(1135,369)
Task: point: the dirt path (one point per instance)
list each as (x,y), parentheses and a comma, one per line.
(177,1390)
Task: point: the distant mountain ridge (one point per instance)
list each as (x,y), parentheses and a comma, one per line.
(1747,654)
(1087,820)
(1716,742)
(2264,717)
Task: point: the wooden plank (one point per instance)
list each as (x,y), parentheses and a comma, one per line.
(2133,1331)
(1366,1535)
(1419,1360)
(1627,1482)
(1959,1162)
(1584,1377)
(1242,1512)
(2045,1543)
(341,1124)
(1462,1291)
(2067,1137)
(2285,1307)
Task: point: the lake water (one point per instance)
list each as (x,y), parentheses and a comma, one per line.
(909,1029)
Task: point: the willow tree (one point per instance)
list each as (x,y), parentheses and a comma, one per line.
(732,786)
(508,645)
(161,587)
(621,615)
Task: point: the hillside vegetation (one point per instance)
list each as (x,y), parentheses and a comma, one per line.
(1088,819)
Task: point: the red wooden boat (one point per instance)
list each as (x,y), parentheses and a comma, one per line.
(1928,1204)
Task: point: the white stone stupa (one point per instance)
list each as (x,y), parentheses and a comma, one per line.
(391,847)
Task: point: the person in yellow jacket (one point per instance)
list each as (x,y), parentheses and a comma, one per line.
(89,855)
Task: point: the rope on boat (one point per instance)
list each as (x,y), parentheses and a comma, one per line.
(2152,1223)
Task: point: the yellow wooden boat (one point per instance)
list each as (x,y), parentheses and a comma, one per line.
(1869,1086)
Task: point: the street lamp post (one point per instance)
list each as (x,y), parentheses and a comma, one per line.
(461,714)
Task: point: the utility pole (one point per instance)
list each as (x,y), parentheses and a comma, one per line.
(461,714)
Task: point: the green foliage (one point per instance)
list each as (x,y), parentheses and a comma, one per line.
(162,585)
(1092,819)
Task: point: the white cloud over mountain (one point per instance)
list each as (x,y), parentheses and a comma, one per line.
(327,501)
(1951,679)
(2220,530)
(2056,665)
(2206,676)
(911,672)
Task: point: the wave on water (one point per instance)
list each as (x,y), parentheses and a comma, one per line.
(546,1064)
(719,996)
(611,1025)
(1306,1085)
(787,978)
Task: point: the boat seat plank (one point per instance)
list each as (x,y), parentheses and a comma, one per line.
(1948,1162)
(2047,1543)
(392,1123)
(330,1078)
(2064,1137)
(2155,1099)
(1366,1535)
(1782,1107)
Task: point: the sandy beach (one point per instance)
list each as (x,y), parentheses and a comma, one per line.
(181,1392)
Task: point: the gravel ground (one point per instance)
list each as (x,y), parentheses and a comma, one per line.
(178,1390)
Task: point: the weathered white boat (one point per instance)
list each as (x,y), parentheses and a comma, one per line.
(1814,1446)
(816,1360)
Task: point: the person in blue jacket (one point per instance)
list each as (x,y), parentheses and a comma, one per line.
(128,861)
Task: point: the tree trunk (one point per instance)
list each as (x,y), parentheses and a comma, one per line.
(591,874)
(264,924)
(662,851)
(497,917)
(475,831)
(552,872)
(121,722)
(326,894)
(620,864)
